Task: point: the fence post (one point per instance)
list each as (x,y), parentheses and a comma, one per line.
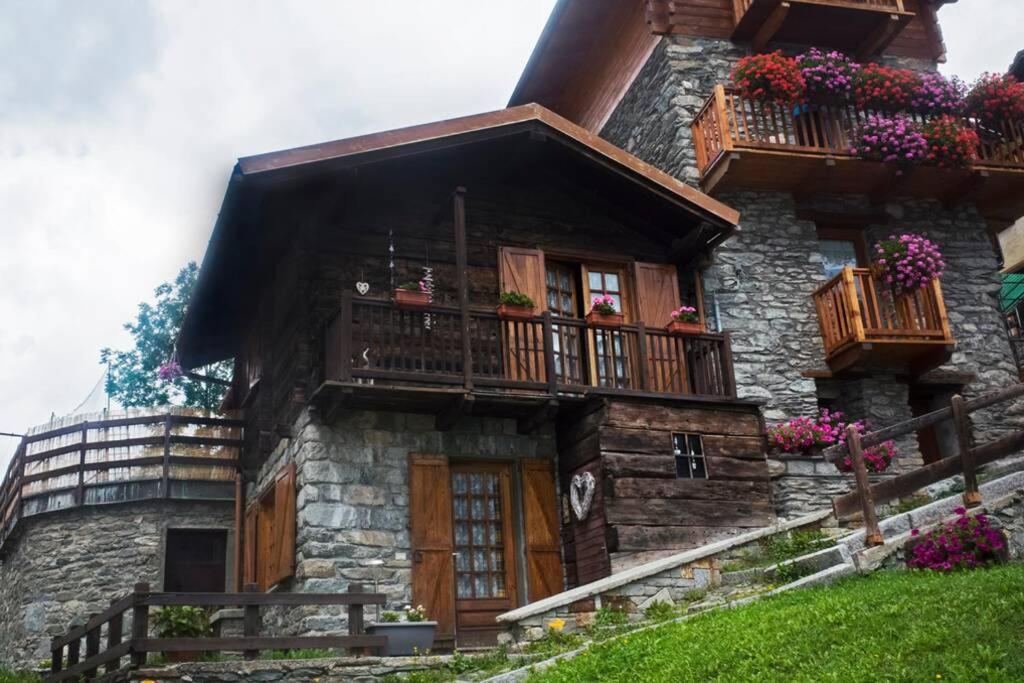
(115,632)
(728,371)
(92,646)
(251,623)
(355,618)
(641,355)
(74,648)
(549,354)
(344,349)
(140,623)
(872,534)
(56,656)
(972,496)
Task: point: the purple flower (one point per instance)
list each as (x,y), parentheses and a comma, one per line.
(169,371)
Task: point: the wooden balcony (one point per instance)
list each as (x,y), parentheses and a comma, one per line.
(864,327)
(744,143)
(862,27)
(180,455)
(384,357)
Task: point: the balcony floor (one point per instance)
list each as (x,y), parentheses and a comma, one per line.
(910,357)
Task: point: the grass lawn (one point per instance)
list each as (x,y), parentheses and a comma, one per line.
(890,626)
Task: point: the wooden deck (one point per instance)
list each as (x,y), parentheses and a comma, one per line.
(744,143)
(120,459)
(863,326)
(862,27)
(382,356)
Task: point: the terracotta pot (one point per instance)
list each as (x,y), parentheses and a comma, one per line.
(411,298)
(677,328)
(510,312)
(606,320)
(178,657)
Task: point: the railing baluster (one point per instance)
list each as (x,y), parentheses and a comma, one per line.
(92,646)
(115,632)
(641,354)
(140,623)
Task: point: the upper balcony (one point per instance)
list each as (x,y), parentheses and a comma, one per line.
(865,327)
(381,356)
(745,143)
(861,27)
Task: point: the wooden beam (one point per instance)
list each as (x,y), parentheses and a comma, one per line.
(531,423)
(814,181)
(459,202)
(891,184)
(461,405)
(965,192)
(878,39)
(770,27)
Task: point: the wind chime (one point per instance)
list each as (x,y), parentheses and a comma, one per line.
(428,286)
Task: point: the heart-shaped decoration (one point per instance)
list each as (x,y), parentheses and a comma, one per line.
(363,287)
(581,494)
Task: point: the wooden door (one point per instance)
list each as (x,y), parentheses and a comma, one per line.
(657,295)
(542,539)
(430,526)
(610,364)
(522,270)
(485,577)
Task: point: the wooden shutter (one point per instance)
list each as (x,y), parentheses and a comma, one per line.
(522,270)
(430,532)
(657,295)
(282,562)
(249,545)
(542,541)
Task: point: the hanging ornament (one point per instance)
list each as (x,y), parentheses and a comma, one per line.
(391,258)
(427,285)
(362,286)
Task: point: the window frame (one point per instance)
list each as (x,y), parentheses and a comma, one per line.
(834,233)
(689,457)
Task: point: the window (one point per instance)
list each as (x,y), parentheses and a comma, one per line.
(195,561)
(270,532)
(688,450)
(605,282)
(841,247)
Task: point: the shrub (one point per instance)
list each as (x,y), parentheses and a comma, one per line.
(895,140)
(685,314)
(389,617)
(995,98)
(515,299)
(876,458)
(770,77)
(182,622)
(610,616)
(827,73)
(605,305)
(936,94)
(909,262)
(965,543)
(886,88)
(660,611)
(951,144)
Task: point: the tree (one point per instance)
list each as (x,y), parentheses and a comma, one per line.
(133,379)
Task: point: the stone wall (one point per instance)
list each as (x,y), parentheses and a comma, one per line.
(352,505)
(804,484)
(64,566)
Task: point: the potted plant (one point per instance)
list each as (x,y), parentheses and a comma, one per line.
(995,98)
(603,313)
(769,77)
(182,621)
(877,459)
(412,294)
(829,76)
(908,262)
(884,87)
(895,141)
(684,321)
(515,306)
(411,636)
(937,95)
(951,144)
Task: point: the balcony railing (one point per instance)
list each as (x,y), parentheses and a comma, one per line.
(863,324)
(375,342)
(740,7)
(175,455)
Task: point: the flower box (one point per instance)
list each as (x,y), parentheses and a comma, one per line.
(609,321)
(411,299)
(510,312)
(405,638)
(677,328)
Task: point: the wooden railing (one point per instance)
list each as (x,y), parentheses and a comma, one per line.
(69,662)
(966,462)
(855,307)
(137,457)
(730,121)
(740,7)
(373,341)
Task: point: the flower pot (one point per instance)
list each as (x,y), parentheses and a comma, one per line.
(609,321)
(677,328)
(404,637)
(179,657)
(510,312)
(411,299)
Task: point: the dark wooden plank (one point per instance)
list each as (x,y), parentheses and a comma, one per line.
(250,623)
(688,489)
(258,643)
(140,623)
(243,599)
(73,672)
(669,512)
(115,608)
(633,465)
(645,537)
(739,422)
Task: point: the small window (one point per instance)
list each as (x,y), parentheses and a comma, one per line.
(689,452)
(195,561)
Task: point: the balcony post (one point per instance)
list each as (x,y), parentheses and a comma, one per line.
(972,496)
(853,301)
(722,115)
(549,354)
(940,309)
(459,202)
(728,373)
(344,349)
(641,355)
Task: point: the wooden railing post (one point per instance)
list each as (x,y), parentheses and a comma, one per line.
(345,339)
(56,656)
(140,623)
(972,496)
(641,355)
(80,489)
(92,646)
(728,372)
(165,479)
(549,354)
(74,649)
(853,301)
(251,621)
(872,534)
(115,632)
(722,115)
(355,618)
(459,222)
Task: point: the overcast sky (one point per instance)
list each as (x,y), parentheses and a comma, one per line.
(120,122)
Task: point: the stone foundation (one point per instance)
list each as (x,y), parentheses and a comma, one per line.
(803,484)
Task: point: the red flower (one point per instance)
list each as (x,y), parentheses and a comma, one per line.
(772,77)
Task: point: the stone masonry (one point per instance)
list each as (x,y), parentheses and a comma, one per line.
(64,566)
(352,505)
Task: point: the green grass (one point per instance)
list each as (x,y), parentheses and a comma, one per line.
(18,677)
(891,626)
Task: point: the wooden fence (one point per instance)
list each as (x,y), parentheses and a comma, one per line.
(373,341)
(120,459)
(966,462)
(68,661)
